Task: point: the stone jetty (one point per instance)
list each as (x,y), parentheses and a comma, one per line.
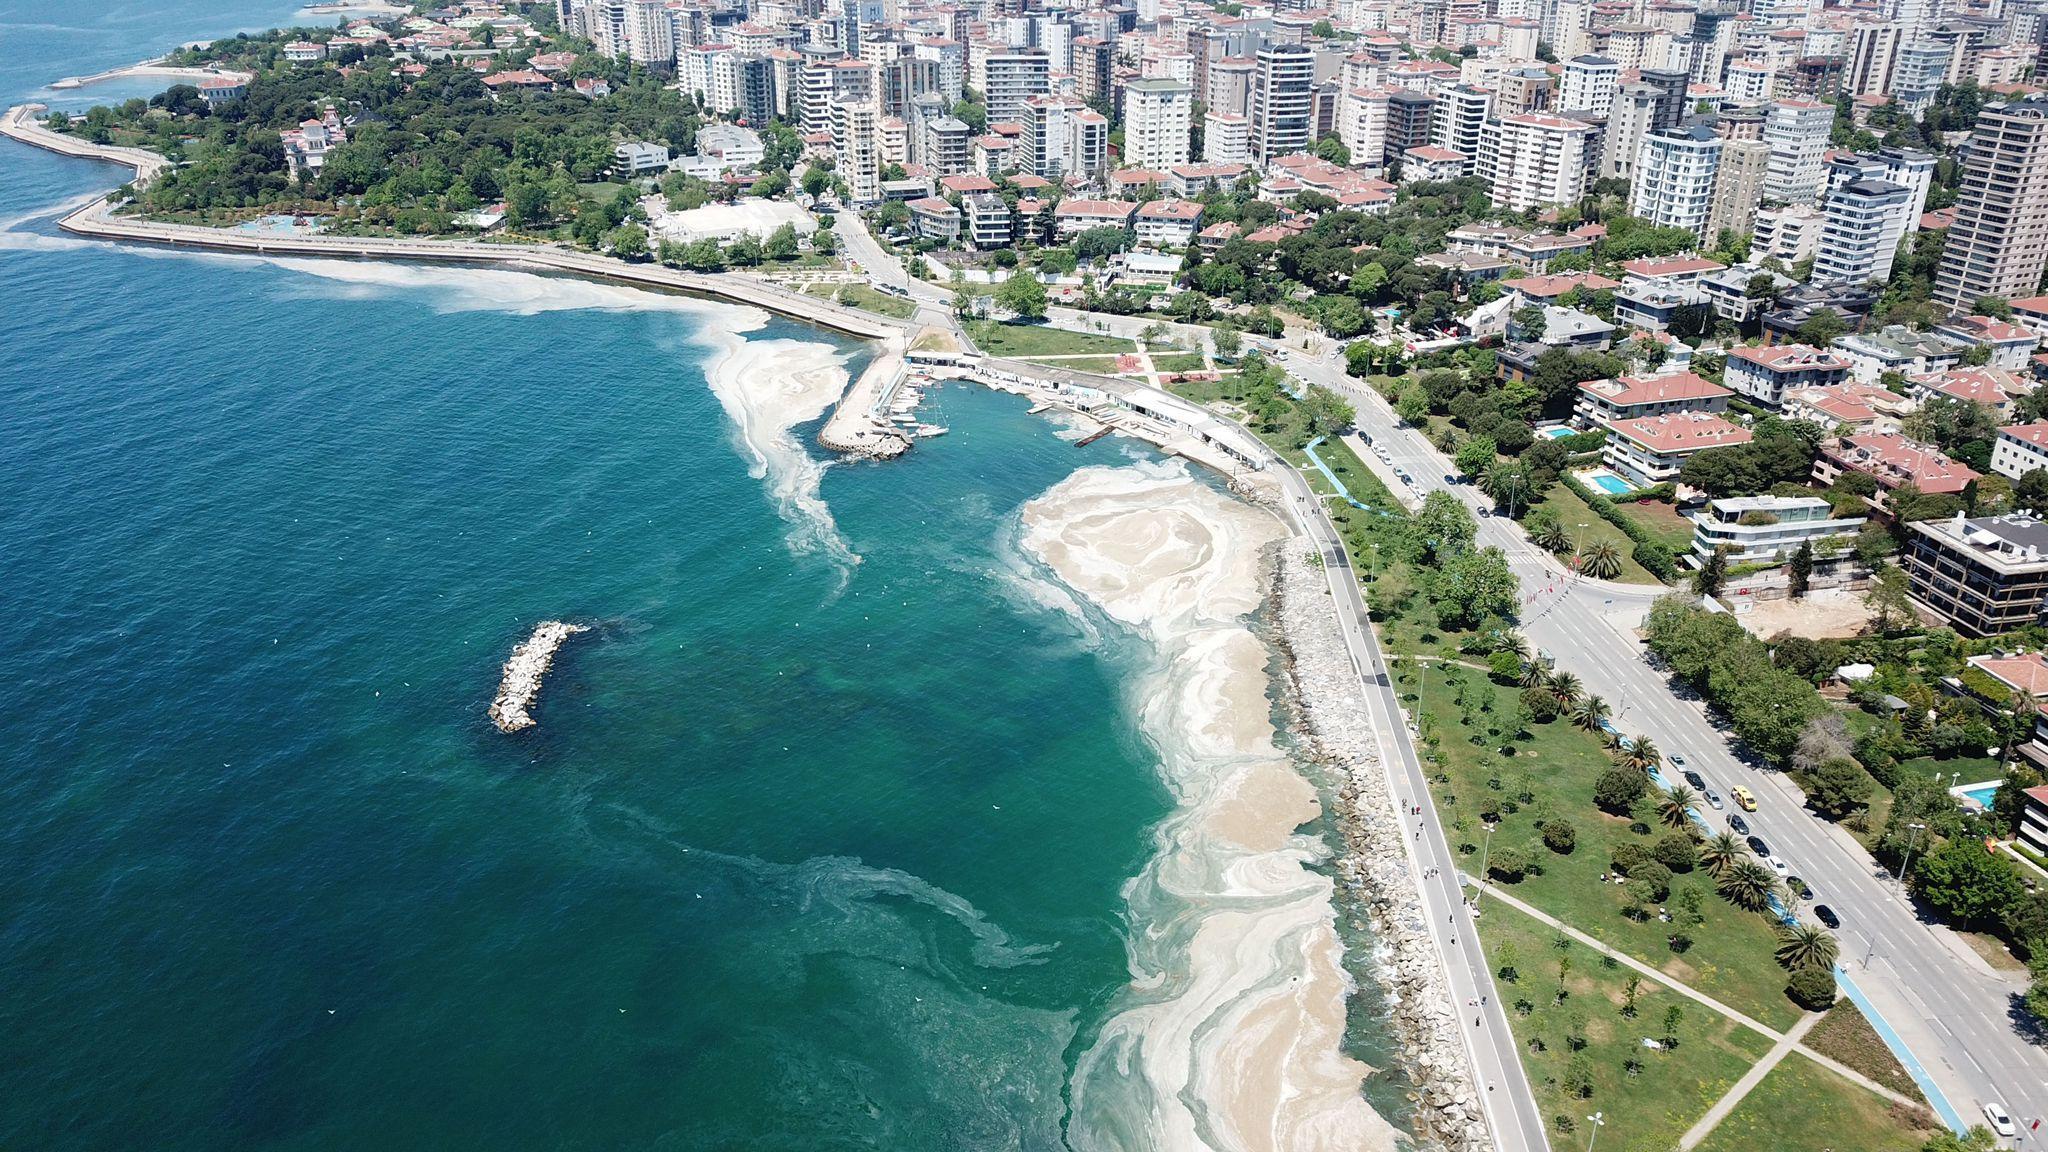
(524,672)
(1330,717)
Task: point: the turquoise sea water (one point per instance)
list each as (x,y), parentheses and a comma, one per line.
(794,860)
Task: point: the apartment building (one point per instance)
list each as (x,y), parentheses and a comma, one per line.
(1983,576)
(1156,123)
(1282,102)
(1765,375)
(1673,184)
(1767,529)
(1540,161)
(1998,244)
(1652,449)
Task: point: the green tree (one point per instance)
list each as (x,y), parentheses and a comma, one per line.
(1674,1016)
(1812,989)
(1837,787)
(1889,598)
(1618,789)
(1443,527)
(1588,713)
(1800,568)
(1475,455)
(1713,571)
(1674,809)
(1721,852)
(1473,588)
(1560,837)
(1023,295)
(782,244)
(1966,883)
(629,242)
(1747,885)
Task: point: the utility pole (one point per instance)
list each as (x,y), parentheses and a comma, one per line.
(1598,1123)
(1485,852)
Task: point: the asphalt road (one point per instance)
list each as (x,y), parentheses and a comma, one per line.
(1958,1017)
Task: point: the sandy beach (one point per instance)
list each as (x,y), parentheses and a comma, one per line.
(1227,1038)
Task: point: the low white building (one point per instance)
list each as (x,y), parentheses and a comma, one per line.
(722,148)
(1651,450)
(2021,448)
(1766,529)
(640,158)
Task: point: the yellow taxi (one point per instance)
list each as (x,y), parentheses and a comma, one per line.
(1743,799)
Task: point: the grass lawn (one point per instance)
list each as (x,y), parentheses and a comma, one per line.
(1672,1089)
(1106,365)
(1024,340)
(1846,1036)
(862,296)
(1973,769)
(1662,522)
(1730,957)
(1802,1105)
(1587,527)
(1178,362)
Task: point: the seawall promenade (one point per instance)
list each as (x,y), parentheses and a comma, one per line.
(97,220)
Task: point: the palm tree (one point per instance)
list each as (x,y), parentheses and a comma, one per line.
(1534,674)
(1590,712)
(1512,642)
(1804,946)
(1675,809)
(1748,885)
(1564,687)
(1641,754)
(1721,852)
(1600,560)
(1551,537)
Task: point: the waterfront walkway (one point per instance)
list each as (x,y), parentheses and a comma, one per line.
(97,220)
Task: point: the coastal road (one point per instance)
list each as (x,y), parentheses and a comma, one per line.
(1500,1083)
(934,304)
(1956,1015)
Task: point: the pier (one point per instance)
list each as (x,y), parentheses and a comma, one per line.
(524,673)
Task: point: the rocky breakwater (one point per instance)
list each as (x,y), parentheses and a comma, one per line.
(525,671)
(1376,870)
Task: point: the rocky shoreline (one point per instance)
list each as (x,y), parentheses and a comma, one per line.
(1329,715)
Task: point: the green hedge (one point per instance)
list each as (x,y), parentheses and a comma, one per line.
(1653,556)
(1582,442)
(1665,492)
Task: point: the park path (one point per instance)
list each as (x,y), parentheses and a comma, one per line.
(1750,1080)
(1790,1040)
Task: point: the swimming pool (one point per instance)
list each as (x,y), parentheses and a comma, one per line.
(1982,793)
(1555,432)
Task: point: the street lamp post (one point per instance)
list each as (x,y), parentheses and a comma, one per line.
(1485,851)
(1598,1122)
(1912,837)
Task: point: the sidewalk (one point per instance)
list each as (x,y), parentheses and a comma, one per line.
(1749,1081)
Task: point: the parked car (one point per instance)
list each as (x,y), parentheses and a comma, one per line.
(1826,915)
(1678,761)
(1757,845)
(1693,778)
(1737,824)
(1743,799)
(1777,865)
(1714,800)
(2001,1121)
(1799,887)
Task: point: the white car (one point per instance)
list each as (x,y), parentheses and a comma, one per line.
(1777,864)
(2001,1122)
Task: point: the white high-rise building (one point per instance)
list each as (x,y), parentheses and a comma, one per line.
(1632,118)
(1362,124)
(1226,138)
(1008,79)
(1858,235)
(1283,102)
(856,137)
(1459,122)
(1797,131)
(650,38)
(1590,83)
(1540,161)
(1157,123)
(1673,184)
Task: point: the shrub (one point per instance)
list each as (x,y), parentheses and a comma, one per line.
(1657,876)
(1618,789)
(1507,865)
(1541,704)
(1560,837)
(1629,858)
(1505,667)
(1676,852)
(1812,989)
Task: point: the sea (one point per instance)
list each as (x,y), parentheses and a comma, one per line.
(823,838)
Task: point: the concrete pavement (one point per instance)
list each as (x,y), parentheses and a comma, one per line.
(1957,1020)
